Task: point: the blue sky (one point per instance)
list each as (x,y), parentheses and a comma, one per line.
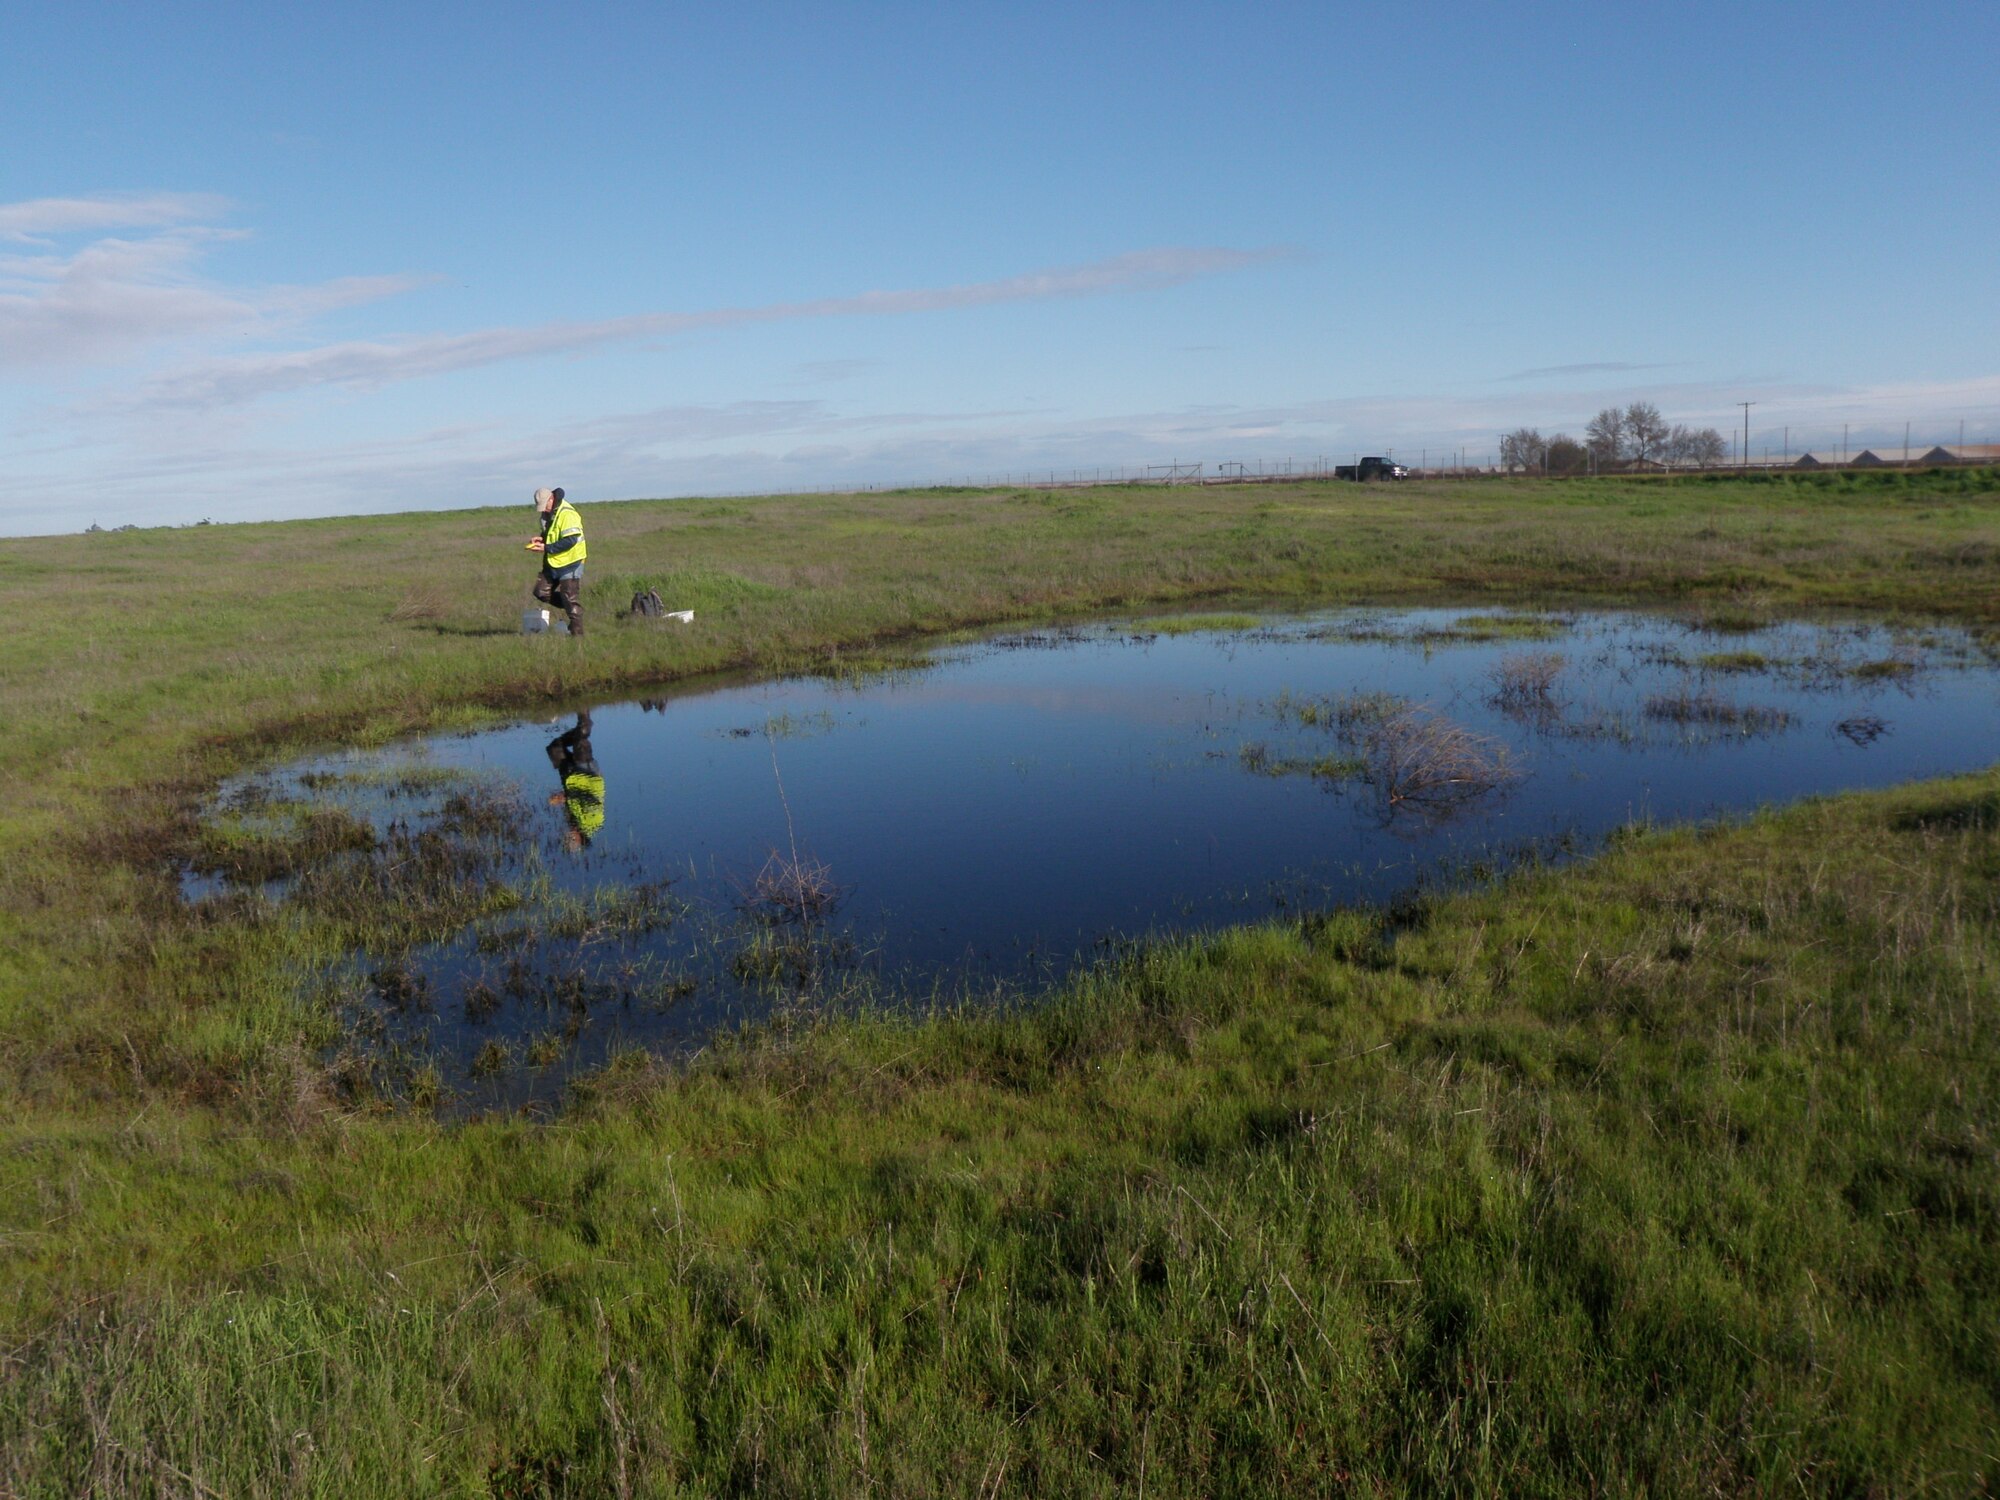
(262,261)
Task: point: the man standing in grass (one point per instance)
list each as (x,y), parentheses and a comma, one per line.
(561,546)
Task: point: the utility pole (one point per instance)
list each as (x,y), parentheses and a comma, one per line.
(1746,405)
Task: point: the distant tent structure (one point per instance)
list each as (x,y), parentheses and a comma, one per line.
(1868,458)
(1819,461)
(1962,453)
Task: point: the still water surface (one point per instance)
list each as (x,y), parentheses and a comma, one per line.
(1029,802)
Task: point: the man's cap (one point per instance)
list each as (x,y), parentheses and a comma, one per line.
(543,497)
(557,492)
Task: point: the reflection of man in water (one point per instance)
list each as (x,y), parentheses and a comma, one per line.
(582,795)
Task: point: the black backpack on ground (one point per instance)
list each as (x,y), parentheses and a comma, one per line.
(648,604)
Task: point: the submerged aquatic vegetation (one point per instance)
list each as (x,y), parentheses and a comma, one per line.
(1344,713)
(402,989)
(1884,669)
(1054,639)
(539,920)
(1528,683)
(262,840)
(1862,729)
(1596,722)
(1733,661)
(785,726)
(1707,709)
(861,666)
(605,912)
(1463,630)
(546,1049)
(1411,753)
(799,959)
(1256,757)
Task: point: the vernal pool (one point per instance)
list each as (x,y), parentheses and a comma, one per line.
(985,820)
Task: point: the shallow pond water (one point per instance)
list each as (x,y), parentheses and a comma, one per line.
(1023,804)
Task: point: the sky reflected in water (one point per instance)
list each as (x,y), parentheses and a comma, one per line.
(1026,803)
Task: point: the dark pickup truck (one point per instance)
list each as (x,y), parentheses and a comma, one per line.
(1371,468)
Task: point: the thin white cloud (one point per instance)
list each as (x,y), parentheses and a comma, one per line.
(373,363)
(121,297)
(829,371)
(631,453)
(43,218)
(230,464)
(110,299)
(292,302)
(1603,367)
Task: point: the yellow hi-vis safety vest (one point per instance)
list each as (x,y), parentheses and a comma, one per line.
(585,797)
(562,536)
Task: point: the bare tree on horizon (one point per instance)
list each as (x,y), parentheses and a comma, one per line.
(1605,435)
(1523,448)
(1645,431)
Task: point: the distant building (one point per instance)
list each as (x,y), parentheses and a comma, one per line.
(1962,453)
(1869,458)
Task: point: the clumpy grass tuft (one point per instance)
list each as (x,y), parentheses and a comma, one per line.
(1419,758)
(1344,713)
(1706,709)
(1733,661)
(1194,624)
(1256,758)
(1529,683)
(1507,627)
(1886,669)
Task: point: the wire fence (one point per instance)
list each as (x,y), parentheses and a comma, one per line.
(1765,452)
(1456,466)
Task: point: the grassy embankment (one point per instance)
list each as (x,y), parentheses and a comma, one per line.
(1676,1168)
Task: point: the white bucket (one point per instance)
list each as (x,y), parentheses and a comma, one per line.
(534,621)
(685,616)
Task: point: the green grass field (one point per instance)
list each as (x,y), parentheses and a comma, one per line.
(1671,1173)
